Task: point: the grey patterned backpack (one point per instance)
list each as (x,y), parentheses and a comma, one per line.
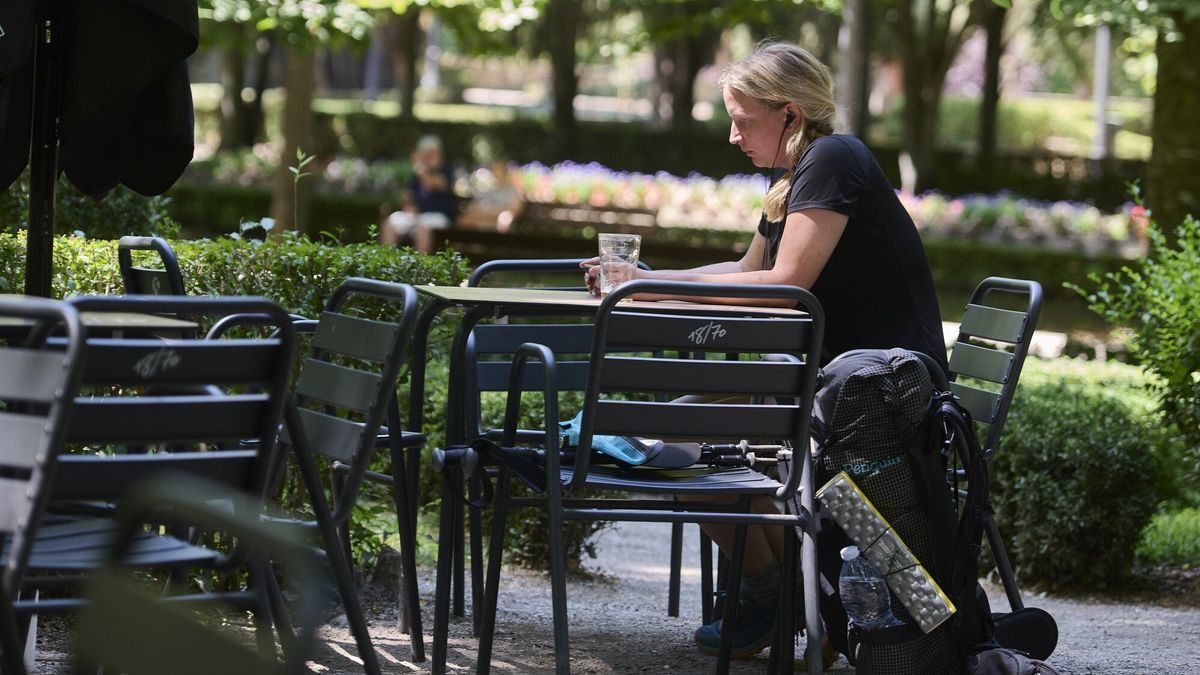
(879,418)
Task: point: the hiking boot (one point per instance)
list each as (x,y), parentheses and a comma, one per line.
(755,629)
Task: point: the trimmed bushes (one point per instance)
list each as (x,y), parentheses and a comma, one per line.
(1082,466)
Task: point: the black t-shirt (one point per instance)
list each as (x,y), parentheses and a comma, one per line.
(435,201)
(876,288)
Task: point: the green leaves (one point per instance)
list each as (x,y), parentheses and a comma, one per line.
(1157,300)
(1082,466)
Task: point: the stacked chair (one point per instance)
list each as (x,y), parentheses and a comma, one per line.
(102,393)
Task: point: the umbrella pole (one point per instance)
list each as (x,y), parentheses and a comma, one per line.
(43,161)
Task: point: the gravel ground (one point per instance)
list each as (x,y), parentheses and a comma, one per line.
(619,624)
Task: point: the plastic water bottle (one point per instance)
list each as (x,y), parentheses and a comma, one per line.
(864,592)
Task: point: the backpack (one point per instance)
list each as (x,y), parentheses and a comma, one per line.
(879,418)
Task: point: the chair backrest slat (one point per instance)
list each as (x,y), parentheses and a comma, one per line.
(706,333)
(982,363)
(30,375)
(505,338)
(173,419)
(92,477)
(120,361)
(362,338)
(689,376)
(331,436)
(983,405)
(22,439)
(14,503)
(991,323)
(715,421)
(338,385)
(493,376)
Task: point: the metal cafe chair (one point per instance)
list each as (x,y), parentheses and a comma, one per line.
(344,393)
(124,398)
(142,280)
(624,397)
(985,365)
(126,629)
(490,350)
(37,391)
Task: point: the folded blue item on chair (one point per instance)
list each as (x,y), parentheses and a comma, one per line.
(631,450)
(628,449)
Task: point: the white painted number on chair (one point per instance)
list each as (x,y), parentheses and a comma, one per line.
(157,363)
(710,330)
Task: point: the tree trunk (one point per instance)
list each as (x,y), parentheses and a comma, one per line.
(660,86)
(853,73)
(289,201)
(252,129)
(1173,174)
(929,44)
(562,21)
(233,109)
(989,106)
(408,43)
(379,57)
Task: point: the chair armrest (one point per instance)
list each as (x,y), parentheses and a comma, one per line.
(512,407)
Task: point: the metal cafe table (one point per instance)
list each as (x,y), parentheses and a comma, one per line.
(484,302)
(113,324)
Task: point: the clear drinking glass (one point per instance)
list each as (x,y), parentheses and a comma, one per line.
(618,259)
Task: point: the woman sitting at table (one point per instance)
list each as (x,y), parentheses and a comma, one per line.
(832,224)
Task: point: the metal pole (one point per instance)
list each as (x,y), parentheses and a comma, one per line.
(43,161)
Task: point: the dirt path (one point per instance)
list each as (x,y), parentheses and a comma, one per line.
(619,624)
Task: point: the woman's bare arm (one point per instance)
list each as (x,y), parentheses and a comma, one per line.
(809,237)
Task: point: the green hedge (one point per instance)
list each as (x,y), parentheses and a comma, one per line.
(1083,464)
(206,210)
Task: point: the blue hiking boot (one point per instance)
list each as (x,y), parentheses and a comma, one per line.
(755,629)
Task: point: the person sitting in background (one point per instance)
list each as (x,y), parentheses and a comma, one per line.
(427,201)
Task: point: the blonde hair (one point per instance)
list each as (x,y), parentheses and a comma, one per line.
(777,74)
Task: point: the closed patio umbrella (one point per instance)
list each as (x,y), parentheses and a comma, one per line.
(97,90)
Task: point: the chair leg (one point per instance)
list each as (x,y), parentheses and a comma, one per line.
(676,564)
(261,611)
(733,584)
(558,575)
(706,579)
(810,576)
(1003,566)
(491,586)
(445,562)
(337,481)
(12,652)
(783,647)
(476,554)
(343,575)
(279,615)
(460,561)
(411,601)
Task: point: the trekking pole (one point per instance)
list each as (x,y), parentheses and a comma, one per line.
(742,453)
